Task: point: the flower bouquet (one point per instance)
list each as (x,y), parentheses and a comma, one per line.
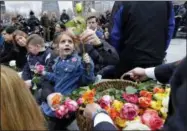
(38,69)
(61,105)
(131,108)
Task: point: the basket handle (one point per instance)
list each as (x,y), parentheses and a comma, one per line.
(128,74)
(124,75)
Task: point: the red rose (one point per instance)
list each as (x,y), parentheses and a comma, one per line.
(158,90)
(39,69)
(132,98)
(144,102)
(61,112)
(105,101)
(151,119)
(144,93)
(129,111)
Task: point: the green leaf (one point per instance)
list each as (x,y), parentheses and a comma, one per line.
(131,90)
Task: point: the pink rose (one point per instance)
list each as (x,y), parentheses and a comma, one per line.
(71,105)
(132,98)
(39,69)
(61,112)
(129,111)
(105,101)
(80,101)
(151,119)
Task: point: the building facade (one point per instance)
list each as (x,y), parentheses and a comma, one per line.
(2,10)
(51,6)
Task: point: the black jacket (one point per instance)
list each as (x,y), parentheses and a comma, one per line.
(33,22)
(141,32)
(102,56)
(104,126)
(45,21)
(177,115)
(64,18)
(8,53)
(43,58)
(21,58)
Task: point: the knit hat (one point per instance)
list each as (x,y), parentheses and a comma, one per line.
(10,29)
(31,12)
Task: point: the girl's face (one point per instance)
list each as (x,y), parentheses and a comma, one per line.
(66,45)
(21,41)
(57,28)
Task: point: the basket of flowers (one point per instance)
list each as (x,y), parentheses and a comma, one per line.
(131,106)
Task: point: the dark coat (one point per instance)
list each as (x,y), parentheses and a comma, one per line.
(104,126)
(8,53)
(33,22)
(141,33)
(177,115)
(64,18)
(21,58)
(43,58)
(45,21)
(102,56)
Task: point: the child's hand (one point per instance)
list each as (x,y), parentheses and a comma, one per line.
(54,100)
(28,83)
(86,58)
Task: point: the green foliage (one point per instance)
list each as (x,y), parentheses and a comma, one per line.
(36,79)
(78,25)
(131,90)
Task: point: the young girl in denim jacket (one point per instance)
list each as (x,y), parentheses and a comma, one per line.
(70,71)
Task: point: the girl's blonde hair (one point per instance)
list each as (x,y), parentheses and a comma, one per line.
(20,33)
(68,33)
(71,35)
(19,110)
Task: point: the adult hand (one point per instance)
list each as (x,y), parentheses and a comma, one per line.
(89,37)
(137,74)
(90,110)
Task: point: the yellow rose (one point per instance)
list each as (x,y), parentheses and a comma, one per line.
(156,105)
(164,111)
(79,7)
(120,122)
(117,105)
(159,96)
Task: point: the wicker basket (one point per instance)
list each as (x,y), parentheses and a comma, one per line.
(85,124)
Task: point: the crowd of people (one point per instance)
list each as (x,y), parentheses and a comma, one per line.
(134,34)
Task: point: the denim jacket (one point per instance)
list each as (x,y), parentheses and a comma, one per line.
(68,75)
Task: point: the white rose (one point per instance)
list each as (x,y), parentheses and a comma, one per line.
(12,63)
(135,125)
(165,102)
(49,99)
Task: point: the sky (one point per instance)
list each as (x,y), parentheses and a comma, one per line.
(26,6)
